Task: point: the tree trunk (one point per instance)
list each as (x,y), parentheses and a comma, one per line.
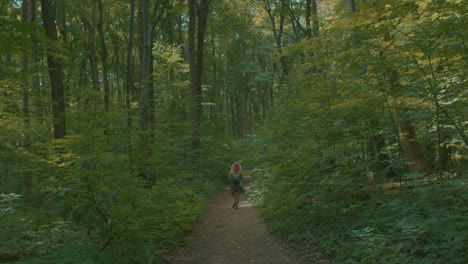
(100,27)
(55,65)
(308,14)
(225,97)
(407,134)
(377,145)
(444,162)
(214,88)
(89,21)
(144,106)
(315,21)
(195,88)
(311,19)
(28,18)
(198,14)
(278,35)
(129,77)
(351,5)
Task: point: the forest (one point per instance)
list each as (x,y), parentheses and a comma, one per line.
(119,119)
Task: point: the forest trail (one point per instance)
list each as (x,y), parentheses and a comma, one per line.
(229,236)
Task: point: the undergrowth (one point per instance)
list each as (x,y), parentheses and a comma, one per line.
(142,224)
(88,207)
(346,224)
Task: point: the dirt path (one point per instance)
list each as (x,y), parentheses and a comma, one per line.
(229,236)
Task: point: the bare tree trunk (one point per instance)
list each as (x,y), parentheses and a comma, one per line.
(225,98)
(28,18)
(129,77)
(144,106)
(315,21)
(198,14)
(195,88)
(239,116)
(55,65)
(214,88)
(105,70)
(89,21)
(308,13)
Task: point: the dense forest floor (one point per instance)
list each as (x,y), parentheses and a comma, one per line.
(233,236)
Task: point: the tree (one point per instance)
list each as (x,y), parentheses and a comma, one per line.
(129,84)
(198,11)
(277,15)
(145,124)
(104,55)
(56,74)
(28,18)
(88,19)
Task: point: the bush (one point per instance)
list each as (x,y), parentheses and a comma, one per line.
(425,224)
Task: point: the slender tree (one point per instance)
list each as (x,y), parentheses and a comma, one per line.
(129,87)
(89,22)
(146,90)
(277,10)
(28,18)
(56,74)
(104,55)
(315,20)
(198,15)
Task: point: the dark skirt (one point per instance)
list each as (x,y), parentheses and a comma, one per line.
(239,187)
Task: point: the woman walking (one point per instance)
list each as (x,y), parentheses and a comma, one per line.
(237,186)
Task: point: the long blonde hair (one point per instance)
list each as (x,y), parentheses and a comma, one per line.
(236,167)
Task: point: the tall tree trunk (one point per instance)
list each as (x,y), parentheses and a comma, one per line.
(315,21)
(195,89)
(144,106)
(214,88)
(239,116)
(55,65)
(278,34)
(90,25)
(28,18)
(308,16)
(105,70)
(225,97)
(129,76)
(198,14)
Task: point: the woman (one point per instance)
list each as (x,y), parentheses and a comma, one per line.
(237,186)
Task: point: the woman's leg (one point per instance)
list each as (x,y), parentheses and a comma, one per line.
(236,197)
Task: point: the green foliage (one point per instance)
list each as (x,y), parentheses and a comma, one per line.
(84,202)
(354,225)
(91,208)
(314,152)
(107,218)
(425,227)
